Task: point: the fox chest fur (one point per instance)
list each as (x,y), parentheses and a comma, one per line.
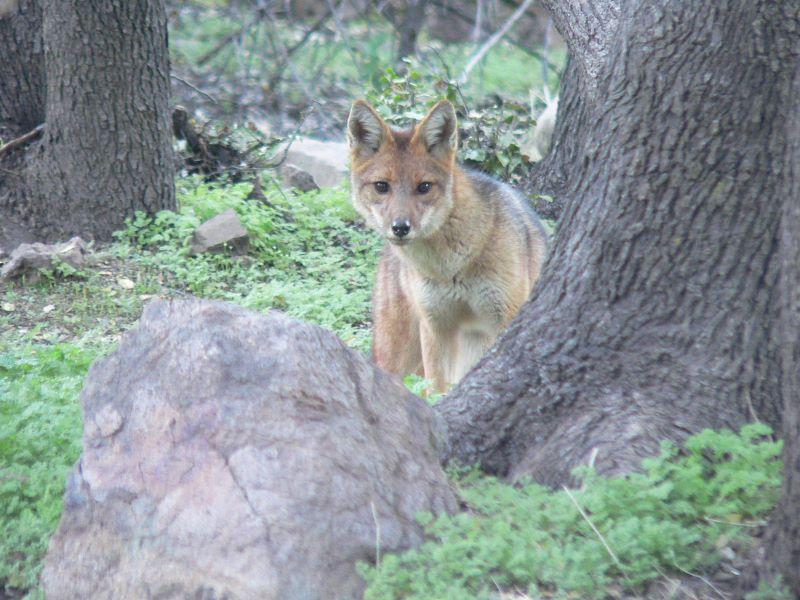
(463,250)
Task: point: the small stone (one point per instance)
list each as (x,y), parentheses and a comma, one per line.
(125,283)
(326,162)
(8,306)
(31,259)
(224,229)
(49,308)
(298,178)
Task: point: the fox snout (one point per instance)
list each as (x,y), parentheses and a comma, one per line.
(401,227)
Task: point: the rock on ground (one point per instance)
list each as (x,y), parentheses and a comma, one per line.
(230,454)
(223,229)
(324,162)
(31,259)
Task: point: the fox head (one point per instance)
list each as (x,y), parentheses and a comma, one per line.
(402,181)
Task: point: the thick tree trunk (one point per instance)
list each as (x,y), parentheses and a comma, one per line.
(656,315)
(106,149)
(22,91)
(593,27)
(783,535)
(548,182)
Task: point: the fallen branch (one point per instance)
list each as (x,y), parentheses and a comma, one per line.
(476,58)
(518,43)
(611,553)
(287,52)
(23,139)
(196,89)
(225,41)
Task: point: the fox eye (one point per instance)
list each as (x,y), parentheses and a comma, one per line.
(424,187)
(381,187)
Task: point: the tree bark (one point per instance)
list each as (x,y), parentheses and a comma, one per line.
(106,150)
(782,539)
(22,92)
(592,26)
(655,316)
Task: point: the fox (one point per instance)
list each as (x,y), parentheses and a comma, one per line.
(462,253)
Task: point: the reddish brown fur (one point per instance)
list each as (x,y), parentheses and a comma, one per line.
(471,257)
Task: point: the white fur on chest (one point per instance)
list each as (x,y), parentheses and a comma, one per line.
(460,305)
(433,263)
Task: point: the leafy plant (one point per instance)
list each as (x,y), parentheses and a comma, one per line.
(491,134)
(40,424)
(308,256)
(624,531)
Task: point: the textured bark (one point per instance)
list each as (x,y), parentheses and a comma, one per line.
(591,25)
(590,28)
(548,180)
(782,540)
(22,91)
(656,315)
(106,150)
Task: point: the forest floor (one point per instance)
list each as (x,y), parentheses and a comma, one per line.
(683,529)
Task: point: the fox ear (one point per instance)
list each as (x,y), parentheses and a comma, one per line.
(438,131)
(366,131)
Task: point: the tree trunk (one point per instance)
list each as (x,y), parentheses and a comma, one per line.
(106,150)
(783,534)
(592,27)
(22,92)
(412,21)
(655,316)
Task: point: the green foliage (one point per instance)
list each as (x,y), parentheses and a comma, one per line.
(673,516)
(40,424)
(308,257)
(345,65)
(771,591)
(491,135)
(422,387)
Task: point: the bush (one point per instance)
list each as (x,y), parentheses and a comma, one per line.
(40,424)
(676,515)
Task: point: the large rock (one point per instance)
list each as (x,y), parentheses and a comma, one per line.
(324,162)
(229,454)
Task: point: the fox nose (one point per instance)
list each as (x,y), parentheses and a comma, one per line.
(401,228)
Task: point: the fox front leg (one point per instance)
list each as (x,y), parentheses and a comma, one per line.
(438,350)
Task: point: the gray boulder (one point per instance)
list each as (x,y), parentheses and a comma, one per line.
(231,454)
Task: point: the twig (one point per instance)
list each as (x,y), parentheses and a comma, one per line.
(498,35)
(225,41)
(449,77)
(518,43)
(189,85)
(292,136)
(377,534)
(704,580)
(287,53)
(596,531)
(333,9)
(546,49)
(23,139)
(733,524)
